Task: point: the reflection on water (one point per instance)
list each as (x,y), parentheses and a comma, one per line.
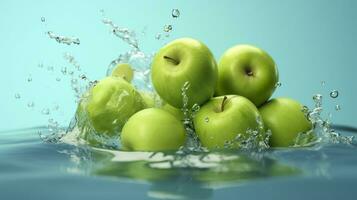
(23,157)
(193,176)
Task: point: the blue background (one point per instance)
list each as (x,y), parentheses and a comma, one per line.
(311,41)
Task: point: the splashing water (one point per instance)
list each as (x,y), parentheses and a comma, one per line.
(63,39)
(192,142)
(140,62)
(128,36)
(321,127)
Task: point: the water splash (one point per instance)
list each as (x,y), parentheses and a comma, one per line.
(252,140)
(63,39)
(192,142)
(128,36)
(322,133)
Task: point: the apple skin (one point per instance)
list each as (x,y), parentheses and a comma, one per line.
(285,118)
(112,101)
(153,129)
(247,71)
(149,99)
(180,61)
(215,127)
(125,71)
(174,111)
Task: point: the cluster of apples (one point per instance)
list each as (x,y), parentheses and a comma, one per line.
(233,96)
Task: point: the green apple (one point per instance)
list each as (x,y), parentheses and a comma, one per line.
(112,101)
(223,118)
(174,111)
(247,71)
(149,98)
(285,118)
(124,70)
(153,129)
(184,60)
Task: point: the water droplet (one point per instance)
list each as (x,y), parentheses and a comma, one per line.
(317,99)
(337,107)
(83,77)
(17,96)
(74,81)
(158,36)
(30,104)
(168,28)
(56,107)
(102,12)
(64,70)
(58,79)
(323,83)
(29,79)
(206,119)
(175,13)
(45,111)
(305,110)
(278,84)
(334,94)
(43,19)
(50,68)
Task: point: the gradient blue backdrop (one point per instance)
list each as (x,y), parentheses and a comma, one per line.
(311,41)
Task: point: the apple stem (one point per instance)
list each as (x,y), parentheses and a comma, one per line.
(172,60)
(223,103)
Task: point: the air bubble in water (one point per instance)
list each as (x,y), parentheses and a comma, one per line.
(58,79)
(323,83)
(45,111)
(43,19)
(17,96)
(175,13)
(168,28)
(337,107)
(334,94)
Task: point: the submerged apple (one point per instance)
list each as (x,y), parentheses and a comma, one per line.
(285,118)
(247,71)
(184,60)
(223,118)
(153,129)
(112,101)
